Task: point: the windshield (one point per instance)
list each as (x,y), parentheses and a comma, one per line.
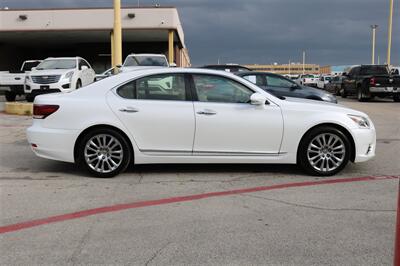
(328,78)
(138,60)
(28,65)
(57,64)
(374,70)
(308,76)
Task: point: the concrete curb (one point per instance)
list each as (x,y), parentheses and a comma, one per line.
(18,108)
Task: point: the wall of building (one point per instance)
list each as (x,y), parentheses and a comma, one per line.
(295,69)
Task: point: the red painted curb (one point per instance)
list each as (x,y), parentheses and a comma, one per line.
(141,204)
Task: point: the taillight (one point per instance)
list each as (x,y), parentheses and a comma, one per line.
(41,111)
(372,81)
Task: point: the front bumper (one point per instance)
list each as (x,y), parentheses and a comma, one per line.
(365,144)
(64,85)
(55,144)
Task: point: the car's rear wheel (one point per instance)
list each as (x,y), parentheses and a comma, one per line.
(343,93)
(104,153)
(324,151)
(361,96)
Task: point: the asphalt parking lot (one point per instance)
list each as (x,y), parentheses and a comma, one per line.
(52,213)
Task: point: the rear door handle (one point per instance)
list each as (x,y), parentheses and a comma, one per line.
(207,112)
(129,110)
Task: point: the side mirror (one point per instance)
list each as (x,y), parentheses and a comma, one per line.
(295,87)
(258,99)
(84,67)
(172,65)
(33,68)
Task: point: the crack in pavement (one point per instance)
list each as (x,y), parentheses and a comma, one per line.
(81,244)
(314,207)
(158,252)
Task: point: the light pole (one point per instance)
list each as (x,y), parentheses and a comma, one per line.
(117,34)
(373,27)
(390,31)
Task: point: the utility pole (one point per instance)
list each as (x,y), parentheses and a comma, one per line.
(289,66)
(117,34)
(304,61)
(390,31)
(373,27)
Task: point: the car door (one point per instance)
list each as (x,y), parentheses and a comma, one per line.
(349,81)
(226,122)
(158,112)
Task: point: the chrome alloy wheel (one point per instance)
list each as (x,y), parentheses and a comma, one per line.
(326,152)
(103,153)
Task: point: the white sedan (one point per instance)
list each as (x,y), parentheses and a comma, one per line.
(172,115)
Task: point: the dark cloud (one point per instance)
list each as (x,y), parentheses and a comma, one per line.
(266,31)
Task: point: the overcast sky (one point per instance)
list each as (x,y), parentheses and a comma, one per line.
(331,32)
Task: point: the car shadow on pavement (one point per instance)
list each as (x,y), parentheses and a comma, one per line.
(216,168)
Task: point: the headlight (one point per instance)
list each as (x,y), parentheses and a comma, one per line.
(361,121)
(69,75)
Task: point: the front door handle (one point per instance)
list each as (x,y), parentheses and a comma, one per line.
(129,110)
(207,112)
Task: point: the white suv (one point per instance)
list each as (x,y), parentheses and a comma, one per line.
(61,74)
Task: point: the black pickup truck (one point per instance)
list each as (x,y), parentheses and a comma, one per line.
(368,81)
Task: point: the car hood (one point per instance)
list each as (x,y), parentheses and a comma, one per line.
(314,91)
(318,106)
(46,72)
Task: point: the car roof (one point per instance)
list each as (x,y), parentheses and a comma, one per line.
(160,55)
(72,57)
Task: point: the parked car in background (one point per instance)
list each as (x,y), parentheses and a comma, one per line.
(12,82)
(283,87)
(291,76)
(335,85)
(138,61)
(58,74)
(307,80)
(185,115)
(108,73)
(368,81)
(228,67)
(323,80)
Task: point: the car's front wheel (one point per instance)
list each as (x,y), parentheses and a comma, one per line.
(104,153)
(324,151)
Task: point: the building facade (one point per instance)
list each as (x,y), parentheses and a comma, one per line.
(291,69)
(38,34)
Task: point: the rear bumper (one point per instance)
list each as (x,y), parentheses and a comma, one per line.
(55,144)
(384,89)
(365,144)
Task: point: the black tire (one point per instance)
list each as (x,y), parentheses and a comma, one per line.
(361,96)
(102,154)
(10,96)
(78,84)
(303,154)
(396,97)
(343,93)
